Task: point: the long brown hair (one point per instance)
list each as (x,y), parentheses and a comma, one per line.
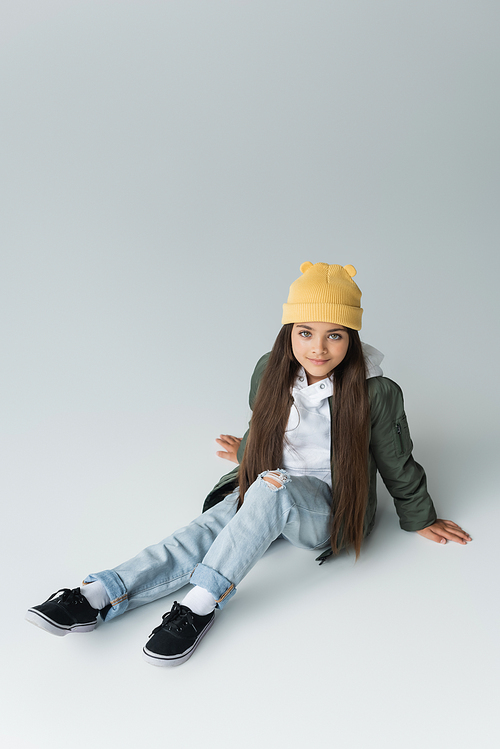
(350,420)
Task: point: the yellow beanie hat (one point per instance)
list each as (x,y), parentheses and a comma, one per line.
(324,293)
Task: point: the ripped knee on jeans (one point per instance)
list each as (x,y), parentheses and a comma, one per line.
(275,479)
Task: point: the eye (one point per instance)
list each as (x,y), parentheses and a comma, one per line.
(304,333)
(335,336)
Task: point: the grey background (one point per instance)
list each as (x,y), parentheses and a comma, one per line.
(165,169)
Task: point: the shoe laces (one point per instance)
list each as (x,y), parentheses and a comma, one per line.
(68,596)
(176,618)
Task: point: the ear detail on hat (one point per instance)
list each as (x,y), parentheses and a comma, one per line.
(305,266)
(350,269)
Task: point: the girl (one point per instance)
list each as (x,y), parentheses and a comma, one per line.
(324,421)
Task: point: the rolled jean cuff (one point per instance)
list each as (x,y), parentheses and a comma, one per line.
(115,589)
(219,586)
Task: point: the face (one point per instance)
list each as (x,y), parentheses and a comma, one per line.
(319,347)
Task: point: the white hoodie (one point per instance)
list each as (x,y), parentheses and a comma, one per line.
(306,451)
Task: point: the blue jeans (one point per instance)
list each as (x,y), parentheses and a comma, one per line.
(217,549)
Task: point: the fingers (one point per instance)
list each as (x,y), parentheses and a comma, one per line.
(443,531)
(453,532)
(228,439)
(230,445)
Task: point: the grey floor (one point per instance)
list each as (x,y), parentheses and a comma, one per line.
(404,643)
(166,168)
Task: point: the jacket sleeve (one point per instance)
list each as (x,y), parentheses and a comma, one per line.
(229,481)
(391,447)
(254,386)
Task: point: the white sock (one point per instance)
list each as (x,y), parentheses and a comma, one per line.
(200,601)
(95,593)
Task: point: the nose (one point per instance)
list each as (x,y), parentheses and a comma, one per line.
(318,346)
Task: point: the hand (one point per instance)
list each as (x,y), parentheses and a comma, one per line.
(230,445)
(445,530)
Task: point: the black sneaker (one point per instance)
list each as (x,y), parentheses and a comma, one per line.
(176,638)
(69,612)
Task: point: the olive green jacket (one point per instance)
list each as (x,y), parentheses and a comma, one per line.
(390,449)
